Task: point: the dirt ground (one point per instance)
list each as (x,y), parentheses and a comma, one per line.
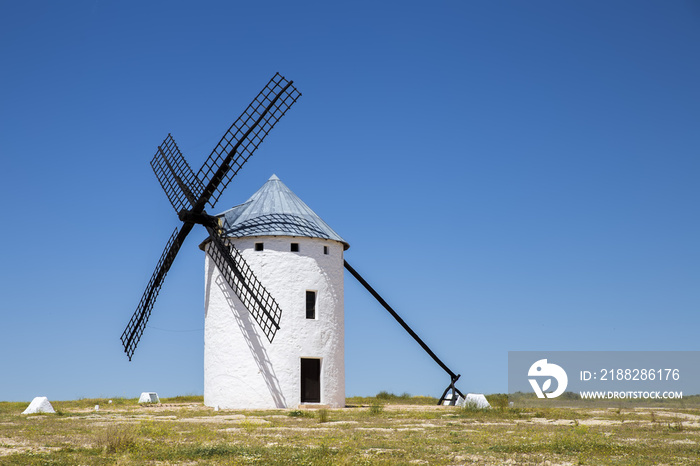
(376,433)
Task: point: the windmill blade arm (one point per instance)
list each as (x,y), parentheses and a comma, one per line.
(175,176)
(398,318)
(244,136)
(137,324)
(239,276)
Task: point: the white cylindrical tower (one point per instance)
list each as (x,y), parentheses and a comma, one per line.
(299,260)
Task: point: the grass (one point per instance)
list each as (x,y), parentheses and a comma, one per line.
(184,399)
(116,438)
(376,408)
(386,397)
(323,415)
(385,429)
(576,439)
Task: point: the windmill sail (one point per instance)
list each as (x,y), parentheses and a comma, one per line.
(134,329)
(239,276)
(189,193)
(175,176)
(246,133)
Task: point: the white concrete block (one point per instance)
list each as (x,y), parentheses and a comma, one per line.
(149,397)
(40,404)
(476,400)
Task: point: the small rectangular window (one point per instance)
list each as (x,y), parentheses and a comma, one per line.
(259,246)
(325,249)
(310,304)
(295,247)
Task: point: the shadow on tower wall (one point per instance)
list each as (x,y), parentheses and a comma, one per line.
(255,344)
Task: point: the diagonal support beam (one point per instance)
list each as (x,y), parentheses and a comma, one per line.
(454,377)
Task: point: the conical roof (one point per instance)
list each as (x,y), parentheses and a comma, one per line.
(274,210)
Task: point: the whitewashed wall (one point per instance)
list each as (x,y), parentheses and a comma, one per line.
(241,368)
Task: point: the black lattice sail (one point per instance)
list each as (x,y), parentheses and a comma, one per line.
(246,133)
(189,194)
(175,175)
(236,272)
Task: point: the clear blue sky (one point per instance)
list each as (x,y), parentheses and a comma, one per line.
(509,175)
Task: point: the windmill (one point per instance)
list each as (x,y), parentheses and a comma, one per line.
(189,194)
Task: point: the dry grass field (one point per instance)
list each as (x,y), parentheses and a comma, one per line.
(386,429)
